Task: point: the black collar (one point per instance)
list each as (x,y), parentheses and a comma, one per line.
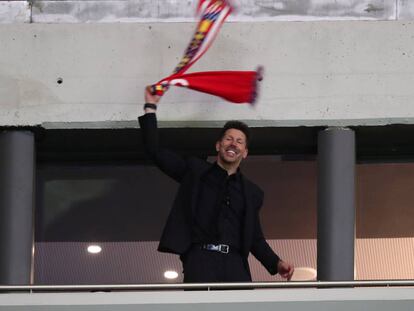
(218,168)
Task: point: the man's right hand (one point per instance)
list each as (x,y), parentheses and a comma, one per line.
(152,99)
(149,97)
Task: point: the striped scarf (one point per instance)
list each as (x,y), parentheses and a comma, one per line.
(233,86)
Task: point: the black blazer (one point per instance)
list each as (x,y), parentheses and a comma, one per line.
(176,236)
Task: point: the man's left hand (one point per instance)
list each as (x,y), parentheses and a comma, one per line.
(285,269)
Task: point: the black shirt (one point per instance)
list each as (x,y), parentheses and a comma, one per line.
(220,209)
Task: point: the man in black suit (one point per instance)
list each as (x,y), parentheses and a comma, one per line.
(214,222)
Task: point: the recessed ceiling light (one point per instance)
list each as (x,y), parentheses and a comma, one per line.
(170,275)
(94,249)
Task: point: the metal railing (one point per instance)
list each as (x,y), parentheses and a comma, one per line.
(206,286)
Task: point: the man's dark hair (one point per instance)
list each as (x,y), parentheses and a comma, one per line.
(238,125)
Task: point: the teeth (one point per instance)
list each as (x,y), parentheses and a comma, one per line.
(231,152)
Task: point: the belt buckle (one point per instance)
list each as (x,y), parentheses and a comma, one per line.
(223,248)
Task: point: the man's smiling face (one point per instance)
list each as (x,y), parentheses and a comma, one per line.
(232,147)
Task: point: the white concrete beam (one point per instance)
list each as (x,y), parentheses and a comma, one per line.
(342,73)
(313,299)
(98,11)
(405,10)
(14,12)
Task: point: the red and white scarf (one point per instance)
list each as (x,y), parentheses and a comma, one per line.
(234,86)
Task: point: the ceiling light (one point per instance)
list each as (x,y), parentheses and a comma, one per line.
(94,249)
(170,274)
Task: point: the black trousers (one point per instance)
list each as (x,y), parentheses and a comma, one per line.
(203,266)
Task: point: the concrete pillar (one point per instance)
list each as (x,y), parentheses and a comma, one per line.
(336,204)
(17,167)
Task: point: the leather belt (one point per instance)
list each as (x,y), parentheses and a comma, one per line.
(221,248)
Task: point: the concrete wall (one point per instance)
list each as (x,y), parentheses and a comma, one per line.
(329,73)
